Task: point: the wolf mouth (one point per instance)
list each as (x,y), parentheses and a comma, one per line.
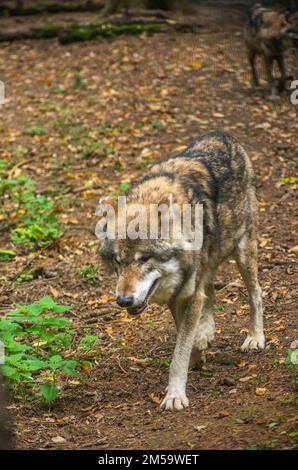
(140,308)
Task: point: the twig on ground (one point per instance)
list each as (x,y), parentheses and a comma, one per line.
(280,200)
(18,165)
(120,366)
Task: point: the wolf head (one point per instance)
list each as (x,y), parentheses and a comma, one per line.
(146,270)
(151,269)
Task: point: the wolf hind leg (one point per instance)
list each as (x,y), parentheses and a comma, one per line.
(246,258)
(205,330)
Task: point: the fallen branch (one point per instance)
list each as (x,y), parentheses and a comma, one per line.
(104,29)
(18,165)
(282,199)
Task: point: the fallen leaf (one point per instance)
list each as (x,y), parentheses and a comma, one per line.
(201,427)
(54,292)
(194,64)
(246,379)
(280,328)
(154,398)
(294,250)
(89,408)
(58,439)
(260,391)
(242,363)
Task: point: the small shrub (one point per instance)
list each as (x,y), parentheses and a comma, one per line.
(34,213)
(39,350)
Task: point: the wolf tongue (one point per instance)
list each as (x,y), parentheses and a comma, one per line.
(137,310)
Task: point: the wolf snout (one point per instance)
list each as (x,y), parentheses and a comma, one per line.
(125,300)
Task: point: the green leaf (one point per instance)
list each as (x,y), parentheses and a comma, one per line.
(124,186)
(35,130)
(34,309)
(6,255)
(47,302)
(88,341)
(49,392)
(55,362)
(69,367)
(8,371)
(289,180)
(34,364)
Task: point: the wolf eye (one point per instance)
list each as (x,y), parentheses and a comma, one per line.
(144,259)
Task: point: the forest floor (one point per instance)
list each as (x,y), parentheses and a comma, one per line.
(146,97)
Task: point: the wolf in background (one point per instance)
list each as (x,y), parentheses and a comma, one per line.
(268,33)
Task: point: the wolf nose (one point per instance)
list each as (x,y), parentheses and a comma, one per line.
(125,300)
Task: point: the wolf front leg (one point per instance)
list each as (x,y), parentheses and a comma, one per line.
(176,398)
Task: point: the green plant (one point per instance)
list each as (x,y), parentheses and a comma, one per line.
(219,308)
(258,447)
(60,89)
(37,343)
(78,81)
(157,124)
(206,373)
(124,186)
(34,213)
(6,255)
(35,130)
(292,359)
(289,180)
(3,165)
(87,343)
(165,362)
(90,273)
(94,148)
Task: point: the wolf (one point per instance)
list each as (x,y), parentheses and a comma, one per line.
(268,33)
(215,172)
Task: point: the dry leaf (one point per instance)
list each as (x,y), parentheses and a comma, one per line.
(154,398)
(58,439)
(280,328)
(54,292)
(294,250)
(89,408)
(194,64)
(201,427)
(246,379)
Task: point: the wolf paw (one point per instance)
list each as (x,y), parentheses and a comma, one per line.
(175,399)
(253,342)
(204,338)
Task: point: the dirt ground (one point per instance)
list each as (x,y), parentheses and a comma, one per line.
(156,92)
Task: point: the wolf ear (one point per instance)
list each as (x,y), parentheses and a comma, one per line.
(106,201)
